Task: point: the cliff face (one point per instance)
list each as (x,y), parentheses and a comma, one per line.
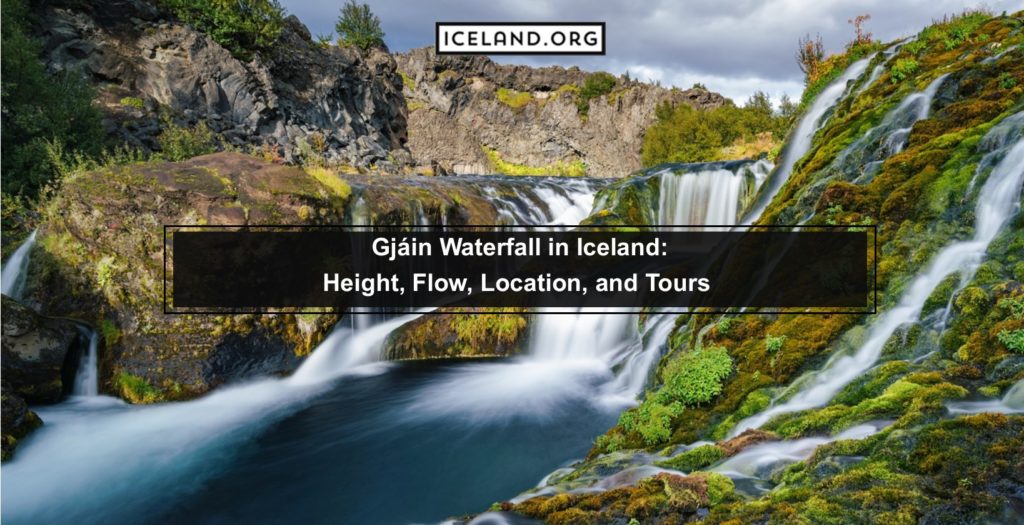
(143,62)
(468,114)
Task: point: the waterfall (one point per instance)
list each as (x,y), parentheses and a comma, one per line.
(87,377)
(758,460)
(715,195)
(862,159)
(998,200)
(1011,403)
(801,138)
(12,277)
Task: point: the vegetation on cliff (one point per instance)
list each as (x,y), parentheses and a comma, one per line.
(925,464)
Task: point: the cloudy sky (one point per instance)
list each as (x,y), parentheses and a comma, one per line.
(732,46)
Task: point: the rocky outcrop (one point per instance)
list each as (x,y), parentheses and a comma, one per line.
(17,421)
(458,335)
(466,111)
(40,354)
(99,258)
(142,60)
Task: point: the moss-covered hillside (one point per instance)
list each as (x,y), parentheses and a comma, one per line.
(920,186)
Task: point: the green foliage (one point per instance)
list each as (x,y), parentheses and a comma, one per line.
(903,68)
(652,420)
(39,109)
(694,459)
(358,26)
(695,377)
(178,143)
(723,325)
(575,168)
(1012,340)
(595,85)
(243,27)
(512,98)
(110,333)
(774,343)
(135,389)
(132,102)
(1007,81)
(684,134)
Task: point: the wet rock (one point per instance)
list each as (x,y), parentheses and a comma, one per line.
(39,353)
(749,438)
(17,421)
(458,335)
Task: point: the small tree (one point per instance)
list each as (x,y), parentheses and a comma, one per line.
(358,26)
(861,37)
(809,56)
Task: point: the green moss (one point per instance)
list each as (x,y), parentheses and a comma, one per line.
(135,389)
(512,98)
(332,181)
(903,68)
(696,377)
(1013,340)
(110,332)
(694,459)
(407,81)
(575,168)
(133,102)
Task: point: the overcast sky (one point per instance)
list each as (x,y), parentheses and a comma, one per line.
(732,46)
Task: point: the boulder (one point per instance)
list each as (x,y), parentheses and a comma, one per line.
(40,354)
(17,421)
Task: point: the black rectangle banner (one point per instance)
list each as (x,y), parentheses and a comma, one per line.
(304,268)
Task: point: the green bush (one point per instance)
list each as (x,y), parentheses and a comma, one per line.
(596,85)
(695,377)
(903,68)
(39,109)
(684,134)
(244,27)
(178,143)
(358,26)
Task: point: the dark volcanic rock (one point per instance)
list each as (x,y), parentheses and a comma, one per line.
(128,48)
(39,353)
(17,421)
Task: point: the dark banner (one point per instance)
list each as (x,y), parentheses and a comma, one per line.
(336,268)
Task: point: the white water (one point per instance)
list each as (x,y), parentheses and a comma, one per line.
(12,276)
(800,140)
(754,461)
(87,379)
(712,196)
(998,200)
(1012,402)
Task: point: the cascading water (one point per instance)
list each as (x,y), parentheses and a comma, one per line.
(715,195)
(801,138)
(12,277)
(87,383)
(998,200)
(1012,402)
(861,160)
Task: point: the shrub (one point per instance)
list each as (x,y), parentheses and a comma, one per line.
(243,27)
(358,26)
(809,56)
(595,85)
(178,143)
(135,389)
(1012,340)
(684,134)
(774,343)
(903,68)
(695,377)
(132,102)
(39,109)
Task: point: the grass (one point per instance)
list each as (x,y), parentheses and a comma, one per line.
(575,168)
(331,180)
(513,99)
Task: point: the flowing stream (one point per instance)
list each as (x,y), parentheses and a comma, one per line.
(348,438)
(12,276)
(998,200)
